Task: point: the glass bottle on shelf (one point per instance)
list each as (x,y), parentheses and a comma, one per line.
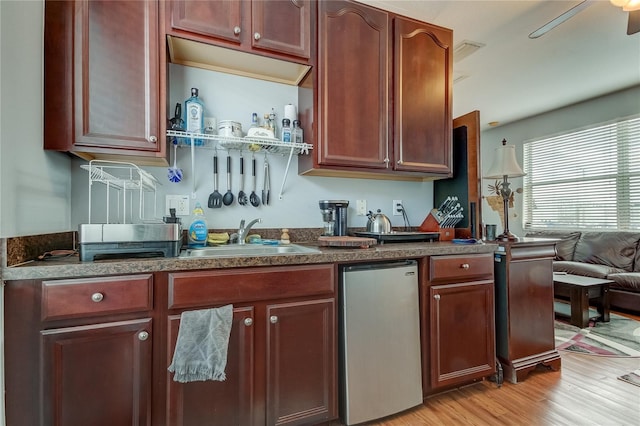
(296,132)
(194,110)
(286,130)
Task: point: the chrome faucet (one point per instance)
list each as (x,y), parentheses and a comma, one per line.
(244,230)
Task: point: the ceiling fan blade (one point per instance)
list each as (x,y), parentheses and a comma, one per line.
(634,22)
(560,19)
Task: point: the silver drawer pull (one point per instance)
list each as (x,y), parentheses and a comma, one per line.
(465,266)
(97,297)
(273,319)
(143,335)
(248,321)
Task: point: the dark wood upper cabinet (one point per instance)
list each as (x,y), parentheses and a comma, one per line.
(102,82)
(422,97)
(353,98)
(382,96)
(280,27)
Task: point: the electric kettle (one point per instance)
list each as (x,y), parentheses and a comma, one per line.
(378,223)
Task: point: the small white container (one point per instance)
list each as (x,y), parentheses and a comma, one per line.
(230,128)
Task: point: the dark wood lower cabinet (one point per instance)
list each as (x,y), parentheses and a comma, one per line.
(300,360)
(281,361)
(97,375)
(462,335)
(229,402)
(457,320)
(524,307)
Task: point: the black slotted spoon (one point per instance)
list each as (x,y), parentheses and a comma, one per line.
(215,198)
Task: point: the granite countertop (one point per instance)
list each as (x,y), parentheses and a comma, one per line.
(72,267)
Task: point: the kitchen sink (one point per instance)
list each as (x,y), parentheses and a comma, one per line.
(237,250)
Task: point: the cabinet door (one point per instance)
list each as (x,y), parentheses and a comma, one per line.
(282,26)
(422,97)
(462,332)
(217,403)
(301,362)
(353,85)
(97,374)
(218,19)
(102,76)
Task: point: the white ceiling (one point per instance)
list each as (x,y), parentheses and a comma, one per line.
(514,77)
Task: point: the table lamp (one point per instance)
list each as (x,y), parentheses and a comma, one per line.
(504,167)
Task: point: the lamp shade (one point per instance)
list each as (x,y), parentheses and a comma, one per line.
(504,163)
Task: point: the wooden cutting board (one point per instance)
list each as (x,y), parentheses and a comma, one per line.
(343,241)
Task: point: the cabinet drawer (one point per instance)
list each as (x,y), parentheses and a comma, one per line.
(96,296)
(458,267)
(191,289)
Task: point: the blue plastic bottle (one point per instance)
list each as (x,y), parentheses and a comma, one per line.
(198,230)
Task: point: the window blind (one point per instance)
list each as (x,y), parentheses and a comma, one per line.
(585,179)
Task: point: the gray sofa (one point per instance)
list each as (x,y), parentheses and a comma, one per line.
(611,255)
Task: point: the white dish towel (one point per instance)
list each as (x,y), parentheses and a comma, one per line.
(201,349)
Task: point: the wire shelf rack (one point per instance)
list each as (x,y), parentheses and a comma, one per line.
(125,179)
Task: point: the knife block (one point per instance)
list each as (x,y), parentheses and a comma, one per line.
(431,224)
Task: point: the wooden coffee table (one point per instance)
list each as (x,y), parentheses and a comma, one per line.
(580,291)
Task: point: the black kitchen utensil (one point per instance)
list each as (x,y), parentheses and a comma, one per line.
(228,196)
(215,198)
(242,197)
(266,186)
(253,198)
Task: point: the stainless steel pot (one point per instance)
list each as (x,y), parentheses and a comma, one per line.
(378,223)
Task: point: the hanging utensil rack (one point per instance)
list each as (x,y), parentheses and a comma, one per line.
(125,179)
(269,146)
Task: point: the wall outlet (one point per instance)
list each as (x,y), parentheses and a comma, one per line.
(178,202)
(397,208)
(361,207)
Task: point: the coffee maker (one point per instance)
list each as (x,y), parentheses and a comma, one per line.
(334,216)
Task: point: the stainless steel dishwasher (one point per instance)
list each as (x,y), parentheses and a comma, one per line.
(379,347)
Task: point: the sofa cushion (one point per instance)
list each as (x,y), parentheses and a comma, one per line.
(586,269)
(615,249)
(629,281)
(566,242)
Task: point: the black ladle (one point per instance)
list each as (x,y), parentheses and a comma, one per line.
(227,199)
(253,198)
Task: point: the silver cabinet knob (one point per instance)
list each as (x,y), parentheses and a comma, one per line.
(236,30)
(97,297)
(465,266)
(273,319)
(143,335)
(256,36)
(436,296)
(248,321)
(153,139)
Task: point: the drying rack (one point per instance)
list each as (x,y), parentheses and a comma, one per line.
(125,179)
(268,146)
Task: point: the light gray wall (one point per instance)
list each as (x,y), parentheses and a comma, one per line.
(35,186)
(229,97)
(599,110)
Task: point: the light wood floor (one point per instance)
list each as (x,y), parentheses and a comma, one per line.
(584,392)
